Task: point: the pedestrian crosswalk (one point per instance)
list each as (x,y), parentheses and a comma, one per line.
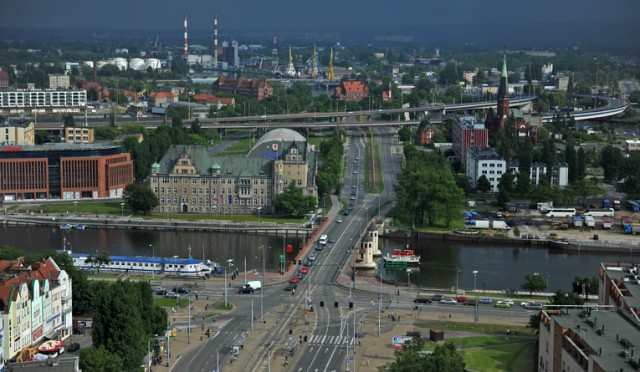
(330,340)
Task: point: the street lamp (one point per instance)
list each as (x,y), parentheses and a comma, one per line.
(457,275)
(122,210)
(262,292)
(408,278)
(259,216)
(153,262)
(75,207)
(475,274)
(226,287)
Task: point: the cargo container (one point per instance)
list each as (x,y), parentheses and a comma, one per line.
(633,206)
(577,221)
(632,228)
(606,222)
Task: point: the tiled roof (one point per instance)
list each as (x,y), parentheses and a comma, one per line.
(162,95)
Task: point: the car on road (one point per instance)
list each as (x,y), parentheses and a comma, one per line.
(353,197)
(502,305)
(246,289)
(461,299)
(339,220)
(73,347)
(354,161)
(312,257)
(304,270)
(354,186)
(357,158)
(534,306)
(422,300)
(485,301)
(355,171)
(181,290)
(332,240)
(158,288)
(436,297)
(346,213)
(79,330)
(290,287)
(525,303)
(161,292)
(508,300)
(448,301)
(171,294)
(471,302)
(294,280)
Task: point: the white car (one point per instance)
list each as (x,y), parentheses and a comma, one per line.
(507,301)
(525,303)
(339,220)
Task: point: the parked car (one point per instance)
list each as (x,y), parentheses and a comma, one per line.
(294,280)
(79,330)
(339,220)
(171,294)
(158,288)
(502,304)
(162,292)
(422,300)
(471,302)
(485,301)
(290,287)
(448,301)
(73,347)
(525,303)
(181,290)
(534,306)
(246,289)
(304,270)
(436,297)
(461,299)
(312,257)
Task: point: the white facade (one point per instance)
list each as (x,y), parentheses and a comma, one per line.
(484,161)
(632,145)
(16,101)
(538,171)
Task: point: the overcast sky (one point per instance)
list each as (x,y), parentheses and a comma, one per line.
(304,14)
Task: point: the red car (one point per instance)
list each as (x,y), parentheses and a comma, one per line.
(461,299)
(295,280)
(304,270)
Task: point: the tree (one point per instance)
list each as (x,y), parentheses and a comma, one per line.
(585,286)
(534,322)
(444,358)
(69,121)
(523,183)
(99,260)
(196,127)
(582,163)
(8,252)
(506,182)
(99,359)
(404,134)
(571,159)
(483,184)
(293,202)
(563,298)
(533,283)
(140,198)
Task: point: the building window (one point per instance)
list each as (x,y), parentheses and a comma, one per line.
(165,180)
(203,181)
(184,171)
(184,162)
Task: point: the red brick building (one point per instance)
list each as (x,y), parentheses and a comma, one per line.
(351,91)
(468,133)
(66,172)
(426,135)
(254,88)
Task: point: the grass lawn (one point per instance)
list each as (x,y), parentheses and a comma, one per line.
(80,208)
(513,355)
(222,307)
(479,328)
(239,148)
(169,302)
(373,168)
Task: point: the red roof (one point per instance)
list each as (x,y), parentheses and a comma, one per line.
(162,95)
(210,98)
(351,87)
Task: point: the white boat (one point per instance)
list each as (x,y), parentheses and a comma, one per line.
(158,265)
(79,226)
(406,257)
(66,226)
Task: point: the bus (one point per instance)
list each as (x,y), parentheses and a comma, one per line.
(323,240)
(561,212)
(605,212)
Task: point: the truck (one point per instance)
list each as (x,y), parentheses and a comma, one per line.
(632,228)
(545,206)
(616,204)
(607,222)
(589,221)
(500,225)
(479,224)
(577,221)
(633,206)
(626,220)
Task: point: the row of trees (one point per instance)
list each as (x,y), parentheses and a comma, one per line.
(621,168)
(328,177)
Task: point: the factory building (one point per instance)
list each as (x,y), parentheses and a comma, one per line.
(23,101)
(59,81)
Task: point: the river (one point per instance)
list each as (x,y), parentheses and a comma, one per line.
(501,266)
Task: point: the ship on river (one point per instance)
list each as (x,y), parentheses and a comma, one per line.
(401,258)
(174,266)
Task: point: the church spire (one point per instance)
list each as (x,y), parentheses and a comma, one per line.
(504,65)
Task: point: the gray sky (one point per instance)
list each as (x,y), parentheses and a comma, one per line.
(304,14)
(562,21)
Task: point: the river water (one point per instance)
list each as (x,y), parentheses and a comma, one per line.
(501,267)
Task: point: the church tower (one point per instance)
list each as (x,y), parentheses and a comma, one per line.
(503,98)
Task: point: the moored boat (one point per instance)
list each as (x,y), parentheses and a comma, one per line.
(401,257)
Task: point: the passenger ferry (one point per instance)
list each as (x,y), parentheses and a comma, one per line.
(406,257)
(159,265)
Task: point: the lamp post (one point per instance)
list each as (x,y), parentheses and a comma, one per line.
(475,274)
(379,300)
(153,262)
(548,276)
(259,216)
(262,292)
(408,278)
(457,275)
(75,207)
(122,210)
(226,287)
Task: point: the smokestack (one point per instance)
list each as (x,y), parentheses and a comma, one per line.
(215,41)
(95,72)
(186,38)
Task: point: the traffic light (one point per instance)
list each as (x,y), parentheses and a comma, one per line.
(350,305)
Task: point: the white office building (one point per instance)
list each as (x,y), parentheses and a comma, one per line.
(484,162)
